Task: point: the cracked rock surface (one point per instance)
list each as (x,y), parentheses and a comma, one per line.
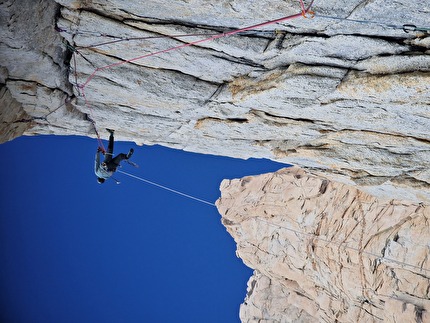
(324,251)
(344,95)
(346,98)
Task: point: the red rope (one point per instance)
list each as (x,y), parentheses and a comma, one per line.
(101,146)
(226,34)
(303,13)
(75,74)
(303,8)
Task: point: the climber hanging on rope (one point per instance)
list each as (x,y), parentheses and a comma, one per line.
(109,165)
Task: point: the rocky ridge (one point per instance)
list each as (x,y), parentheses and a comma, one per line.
(326,252)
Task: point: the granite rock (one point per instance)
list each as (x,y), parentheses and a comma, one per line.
(324,251)
(345,94)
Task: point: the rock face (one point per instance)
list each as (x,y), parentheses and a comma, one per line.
(325,252)
(344,95)
(347,98)
(33,70)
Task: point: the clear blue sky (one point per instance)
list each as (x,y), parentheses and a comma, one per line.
(72,250)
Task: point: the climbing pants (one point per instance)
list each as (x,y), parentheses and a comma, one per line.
(113,163)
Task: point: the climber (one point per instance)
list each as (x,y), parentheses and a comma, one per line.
(106,169)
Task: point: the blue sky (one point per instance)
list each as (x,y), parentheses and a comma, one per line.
(72,250)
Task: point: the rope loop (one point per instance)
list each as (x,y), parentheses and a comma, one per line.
(306,11)
(407,28)
(308,14)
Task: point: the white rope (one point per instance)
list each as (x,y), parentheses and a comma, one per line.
(283,227)
(167,188)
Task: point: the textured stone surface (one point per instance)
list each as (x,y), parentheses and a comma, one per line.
(324,251)
(34,87)
(348,99)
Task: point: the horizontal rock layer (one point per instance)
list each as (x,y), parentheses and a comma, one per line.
(325,252)
(344,95)
(349,99)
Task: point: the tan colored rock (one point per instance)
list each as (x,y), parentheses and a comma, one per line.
(270,301)
(332,251)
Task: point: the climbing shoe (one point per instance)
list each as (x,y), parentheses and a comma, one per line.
(130,153)
(110,131)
